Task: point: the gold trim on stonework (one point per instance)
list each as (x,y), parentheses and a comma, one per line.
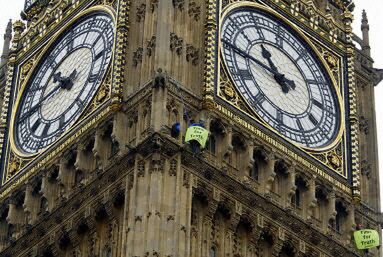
(14,148)
(47,160)
(339,99)
(281,147)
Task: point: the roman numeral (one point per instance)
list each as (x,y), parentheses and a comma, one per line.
(280,116)
(35,125)
(260,98)
(96,41)
(318,104)
(279,41)
(302,54)
(99,55)
(245,74)
(312,81)
(62,121)
(80,104)
(260,33)
(313,119)
(45,131)
(300,125)
(93,78)
(70,42)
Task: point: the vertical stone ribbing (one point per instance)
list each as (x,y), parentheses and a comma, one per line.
(158,219)
(121,42)
(210,53)
(353,111)
(18,28)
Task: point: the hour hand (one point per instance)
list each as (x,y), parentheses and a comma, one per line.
(248,56)
(57,77)
(73,75)
(291,83)
(267,55)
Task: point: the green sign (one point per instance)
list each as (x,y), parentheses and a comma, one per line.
(198,134)
(366,238)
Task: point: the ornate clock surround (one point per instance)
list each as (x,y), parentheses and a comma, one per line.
(103,105)
(333,163)
(39,60)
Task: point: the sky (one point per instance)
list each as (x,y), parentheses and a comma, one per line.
(10,9)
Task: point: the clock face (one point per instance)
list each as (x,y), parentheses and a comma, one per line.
(64,82)
(280,77)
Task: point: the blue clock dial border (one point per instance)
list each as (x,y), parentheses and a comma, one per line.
(330,117)
(98,23)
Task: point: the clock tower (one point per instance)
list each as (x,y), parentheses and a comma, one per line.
(98,96)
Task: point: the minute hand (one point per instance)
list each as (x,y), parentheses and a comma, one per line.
(246,55)
(34,108)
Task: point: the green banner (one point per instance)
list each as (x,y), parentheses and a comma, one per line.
(366,238)
(197,133)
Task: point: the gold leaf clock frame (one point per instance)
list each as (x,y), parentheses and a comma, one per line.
(332,163)
(107,100)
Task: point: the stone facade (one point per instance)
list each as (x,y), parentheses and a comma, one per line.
(124,186)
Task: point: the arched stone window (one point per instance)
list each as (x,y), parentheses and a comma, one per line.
(211,144)
(215,138)
(321,210)
(340,217)
(243,231)
(213,252)
(239,148)
(254,171)
(287,250)
(259,163)
(265,244)
(298,198)
(279,186)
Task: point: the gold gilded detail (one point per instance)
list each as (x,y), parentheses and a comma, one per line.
(25,70)
(331,60)
(283,149)
(15,164)
(334,160)
(23,85)
(229,92)
(319,52)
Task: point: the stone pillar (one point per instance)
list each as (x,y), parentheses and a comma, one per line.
(31,204)
(290,186)
(102,147)
(350,225)
(312,201)
(227,143)
(66,176)
(331,208)
(366,37)
(7,43)
(269,174)
(85,162)
(159,209)
(249,158)
(158,107)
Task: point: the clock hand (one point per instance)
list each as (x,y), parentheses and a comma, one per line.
(279,77)
(291,83)
(65,82)
(267,55)
(70,79)
(282,80)
(72,76)
(34,108)
(246,55)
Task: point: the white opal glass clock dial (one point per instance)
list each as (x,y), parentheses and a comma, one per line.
(64,82)
(280,77)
